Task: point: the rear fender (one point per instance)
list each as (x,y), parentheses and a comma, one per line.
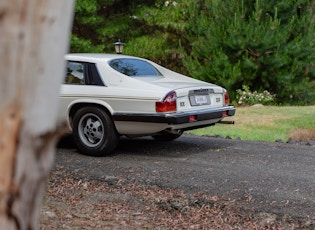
(77,104)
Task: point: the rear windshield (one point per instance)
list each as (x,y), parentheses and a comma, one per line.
(134,67)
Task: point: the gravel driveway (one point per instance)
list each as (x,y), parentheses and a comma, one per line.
(273,178)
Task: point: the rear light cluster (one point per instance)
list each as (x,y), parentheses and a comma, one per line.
(168,104)
(226,98)
(226,102)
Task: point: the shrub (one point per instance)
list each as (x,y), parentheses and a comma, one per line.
(246,97)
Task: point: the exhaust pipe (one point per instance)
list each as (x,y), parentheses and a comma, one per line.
(227,122)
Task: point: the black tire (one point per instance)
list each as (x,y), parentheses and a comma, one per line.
(94,132)
(168,136)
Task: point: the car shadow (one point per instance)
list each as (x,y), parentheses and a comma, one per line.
(147,146)
(176,148)
(66,142)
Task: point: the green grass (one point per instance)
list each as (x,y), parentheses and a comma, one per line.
(265,123)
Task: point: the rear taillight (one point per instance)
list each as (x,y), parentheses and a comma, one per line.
(168,104)
(226,98)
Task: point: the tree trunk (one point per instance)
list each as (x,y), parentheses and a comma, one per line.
(33,39)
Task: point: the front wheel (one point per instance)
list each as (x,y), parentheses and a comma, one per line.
(168,136)
(94,132)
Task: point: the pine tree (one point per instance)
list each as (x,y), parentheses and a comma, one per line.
(99,23)
(264,45)
(151,29)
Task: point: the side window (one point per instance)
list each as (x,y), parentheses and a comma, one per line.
(134,67)
(75,73)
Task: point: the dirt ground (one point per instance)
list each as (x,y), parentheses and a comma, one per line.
(78,204)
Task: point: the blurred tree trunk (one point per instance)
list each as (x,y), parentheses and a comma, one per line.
(34,37)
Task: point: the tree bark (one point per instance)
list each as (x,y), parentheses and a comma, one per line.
(34,37)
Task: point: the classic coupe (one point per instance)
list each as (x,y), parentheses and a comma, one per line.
(105,96)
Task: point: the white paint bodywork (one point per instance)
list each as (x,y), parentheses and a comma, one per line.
(135,95)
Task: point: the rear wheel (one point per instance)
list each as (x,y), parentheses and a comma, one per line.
(94,132)
(168,136)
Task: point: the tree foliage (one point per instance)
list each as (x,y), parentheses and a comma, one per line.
(266,45)
(149,29)
(100,23)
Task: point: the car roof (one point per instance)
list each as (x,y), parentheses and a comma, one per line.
(95,57)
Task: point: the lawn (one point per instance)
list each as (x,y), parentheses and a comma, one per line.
(267,123)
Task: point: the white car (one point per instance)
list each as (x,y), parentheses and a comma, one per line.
(105,96)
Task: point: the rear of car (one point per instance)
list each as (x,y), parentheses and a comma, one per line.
(186,103)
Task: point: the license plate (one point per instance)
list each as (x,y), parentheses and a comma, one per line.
(196,100)
(201,99)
